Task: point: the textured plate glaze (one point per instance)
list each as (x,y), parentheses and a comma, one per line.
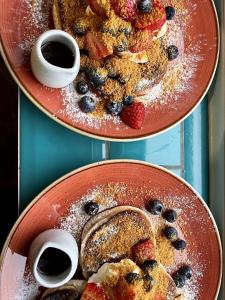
(44,212)
(13,27)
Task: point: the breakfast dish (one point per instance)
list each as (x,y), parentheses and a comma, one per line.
(159,74)
(139,231)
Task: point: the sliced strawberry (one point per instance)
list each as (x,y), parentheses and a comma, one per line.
(123,291)
(154,20)
(134,115)
(96,46)
(94,292)
(99,7)
(126,9)
(143,250)
(141,40)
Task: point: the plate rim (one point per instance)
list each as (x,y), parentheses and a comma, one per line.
(115,139)
(115,161)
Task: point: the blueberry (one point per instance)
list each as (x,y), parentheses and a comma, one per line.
(111,70)
(87,104)
(80,27)
(122,45)
(170,233)
(172,52)
(150,264)
(97,76)
(170,12)
(186,271)
(126,31)
(148,282)
(128,100)
(82,87)
(91,208)
(123,79)
(132,277)
(114,108)
(179,244)
(179,280)
(170,215)
(155,207)
(144,6)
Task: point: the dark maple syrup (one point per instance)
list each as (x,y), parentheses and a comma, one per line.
(53,262)
(58,54)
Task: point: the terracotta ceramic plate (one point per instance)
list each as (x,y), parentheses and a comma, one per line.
(18,34)
(133,183)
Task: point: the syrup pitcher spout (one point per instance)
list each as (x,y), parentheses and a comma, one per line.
(55,59)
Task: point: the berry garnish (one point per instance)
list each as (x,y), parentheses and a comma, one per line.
(170,233)
(143,250)
(122,44)
(144,6)
(82,87)
(87,104)
(126,9)
(179,244)
(125,30)
(94,291)
(172,52)
(150,264)
(170,12)
(170,215)
(186,271)
(91,208)
(134,115)
(132,277)
(148,282)
(97,46)
(153,20)
(179,280)
(141,40)
(114,108)
(155,207)
(128,100)
(97,76)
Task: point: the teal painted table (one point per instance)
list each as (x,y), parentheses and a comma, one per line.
(48,150)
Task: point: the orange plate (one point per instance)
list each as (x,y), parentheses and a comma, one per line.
(13,27)
(198,225)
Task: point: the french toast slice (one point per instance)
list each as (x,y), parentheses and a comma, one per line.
(112,237)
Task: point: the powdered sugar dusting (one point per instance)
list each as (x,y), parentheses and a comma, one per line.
(29,288)
(77,217)
(71,109)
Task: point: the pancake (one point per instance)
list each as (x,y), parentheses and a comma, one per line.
(69,291)
(112,237)
(111,276)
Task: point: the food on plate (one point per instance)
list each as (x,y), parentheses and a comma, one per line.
(113,237)
(69,291)
(121,46)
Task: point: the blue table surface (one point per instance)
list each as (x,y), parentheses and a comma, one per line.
(48,150)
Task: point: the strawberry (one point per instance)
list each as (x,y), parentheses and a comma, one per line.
(134,115)
(126,9)
(123,291)
(141,40)
(98,7)
(96,46)
(154,20)
(94,292)
(143,250)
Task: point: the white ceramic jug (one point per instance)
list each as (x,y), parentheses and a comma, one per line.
(47,73)
(60,240)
